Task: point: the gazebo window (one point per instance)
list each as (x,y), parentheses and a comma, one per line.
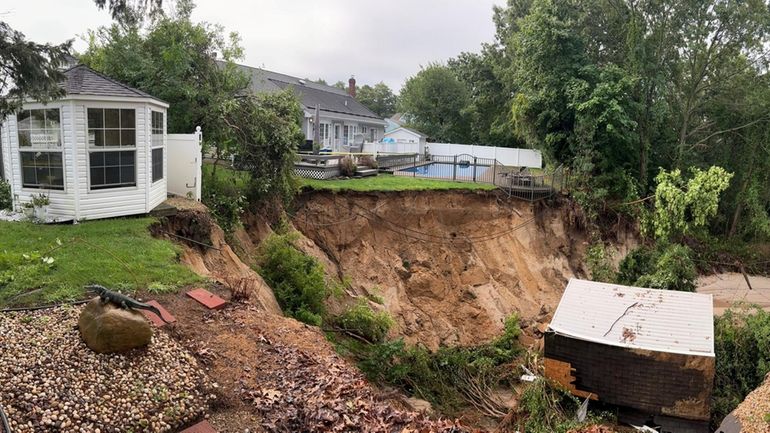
(157,145)
(112,147)
(40,148)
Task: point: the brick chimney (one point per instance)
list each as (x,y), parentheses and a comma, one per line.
(352,86)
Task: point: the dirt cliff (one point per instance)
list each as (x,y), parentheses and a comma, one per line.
(449,266)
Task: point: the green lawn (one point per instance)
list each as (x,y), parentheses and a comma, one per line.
(382,182)
(117,253)
(387,182)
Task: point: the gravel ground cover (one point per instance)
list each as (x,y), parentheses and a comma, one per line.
(754,412)
(52,382)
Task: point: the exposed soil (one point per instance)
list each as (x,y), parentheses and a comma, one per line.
(730,290)
(275,374)
(450,266)
(207,253)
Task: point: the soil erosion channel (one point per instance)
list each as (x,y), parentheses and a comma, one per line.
(449,266)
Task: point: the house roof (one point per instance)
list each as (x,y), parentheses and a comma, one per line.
(404,128)
(82,80)
(637,318)
(398,119)
(331,99)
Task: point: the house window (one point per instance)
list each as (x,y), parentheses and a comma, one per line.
(373,135)
(157,128)
(157,164)
(39,129)
(42,170)
(39,143)
(325,130)
(345,135)
(112,169)
(157,145)
(112,147)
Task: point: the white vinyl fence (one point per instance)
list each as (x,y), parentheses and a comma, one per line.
(505,155)
(185,164)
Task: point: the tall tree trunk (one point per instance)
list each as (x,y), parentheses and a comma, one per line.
(739,201)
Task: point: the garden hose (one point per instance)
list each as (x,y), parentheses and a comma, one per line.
(4,419)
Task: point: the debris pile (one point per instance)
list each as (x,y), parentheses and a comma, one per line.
(328,395)
(594,429)
(53,382)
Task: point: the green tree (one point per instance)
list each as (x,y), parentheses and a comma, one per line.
(266,131)
(28,70)
(378,98)
(683,206)
(489,104)
(435,100)
(131,12)
(174,60)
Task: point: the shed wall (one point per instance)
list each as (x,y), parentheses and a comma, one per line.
(77,200)
(658,383)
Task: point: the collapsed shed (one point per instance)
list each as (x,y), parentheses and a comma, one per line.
(650,351)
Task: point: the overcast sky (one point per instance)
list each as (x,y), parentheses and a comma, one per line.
(331,39)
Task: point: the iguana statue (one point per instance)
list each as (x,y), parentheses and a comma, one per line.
(123,301)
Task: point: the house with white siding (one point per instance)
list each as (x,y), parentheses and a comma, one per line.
(98,152)
(342,117)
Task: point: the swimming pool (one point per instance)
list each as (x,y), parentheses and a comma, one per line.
(449,171)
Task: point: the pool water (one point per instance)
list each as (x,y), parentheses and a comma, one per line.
(438,169)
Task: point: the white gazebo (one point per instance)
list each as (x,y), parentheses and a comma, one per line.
(98,152)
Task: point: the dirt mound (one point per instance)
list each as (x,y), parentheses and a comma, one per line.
(730,290)
(449,266)
(207,253)
(275,374)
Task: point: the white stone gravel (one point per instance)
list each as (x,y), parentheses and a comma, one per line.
(6,215)
(51,382)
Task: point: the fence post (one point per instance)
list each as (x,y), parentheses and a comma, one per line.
(474,168)
(414,166)
(454,169)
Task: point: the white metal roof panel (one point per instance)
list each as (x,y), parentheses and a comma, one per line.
(634,317)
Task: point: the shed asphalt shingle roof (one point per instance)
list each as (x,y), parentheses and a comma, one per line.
(637,318)
(82,80)
(330,98)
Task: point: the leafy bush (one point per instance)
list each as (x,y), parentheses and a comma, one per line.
(441,377)
(224,198)
(742,346)
(6,199)
(667,267)
(362,321)
(347,166)
(683,206)
(599,263)
(297,280)
(368,161)
(547,409)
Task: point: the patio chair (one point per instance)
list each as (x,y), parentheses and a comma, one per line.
(357,146)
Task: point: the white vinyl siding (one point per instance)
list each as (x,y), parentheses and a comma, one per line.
(112,202)
(159,189)
(77,201)
(62,201)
